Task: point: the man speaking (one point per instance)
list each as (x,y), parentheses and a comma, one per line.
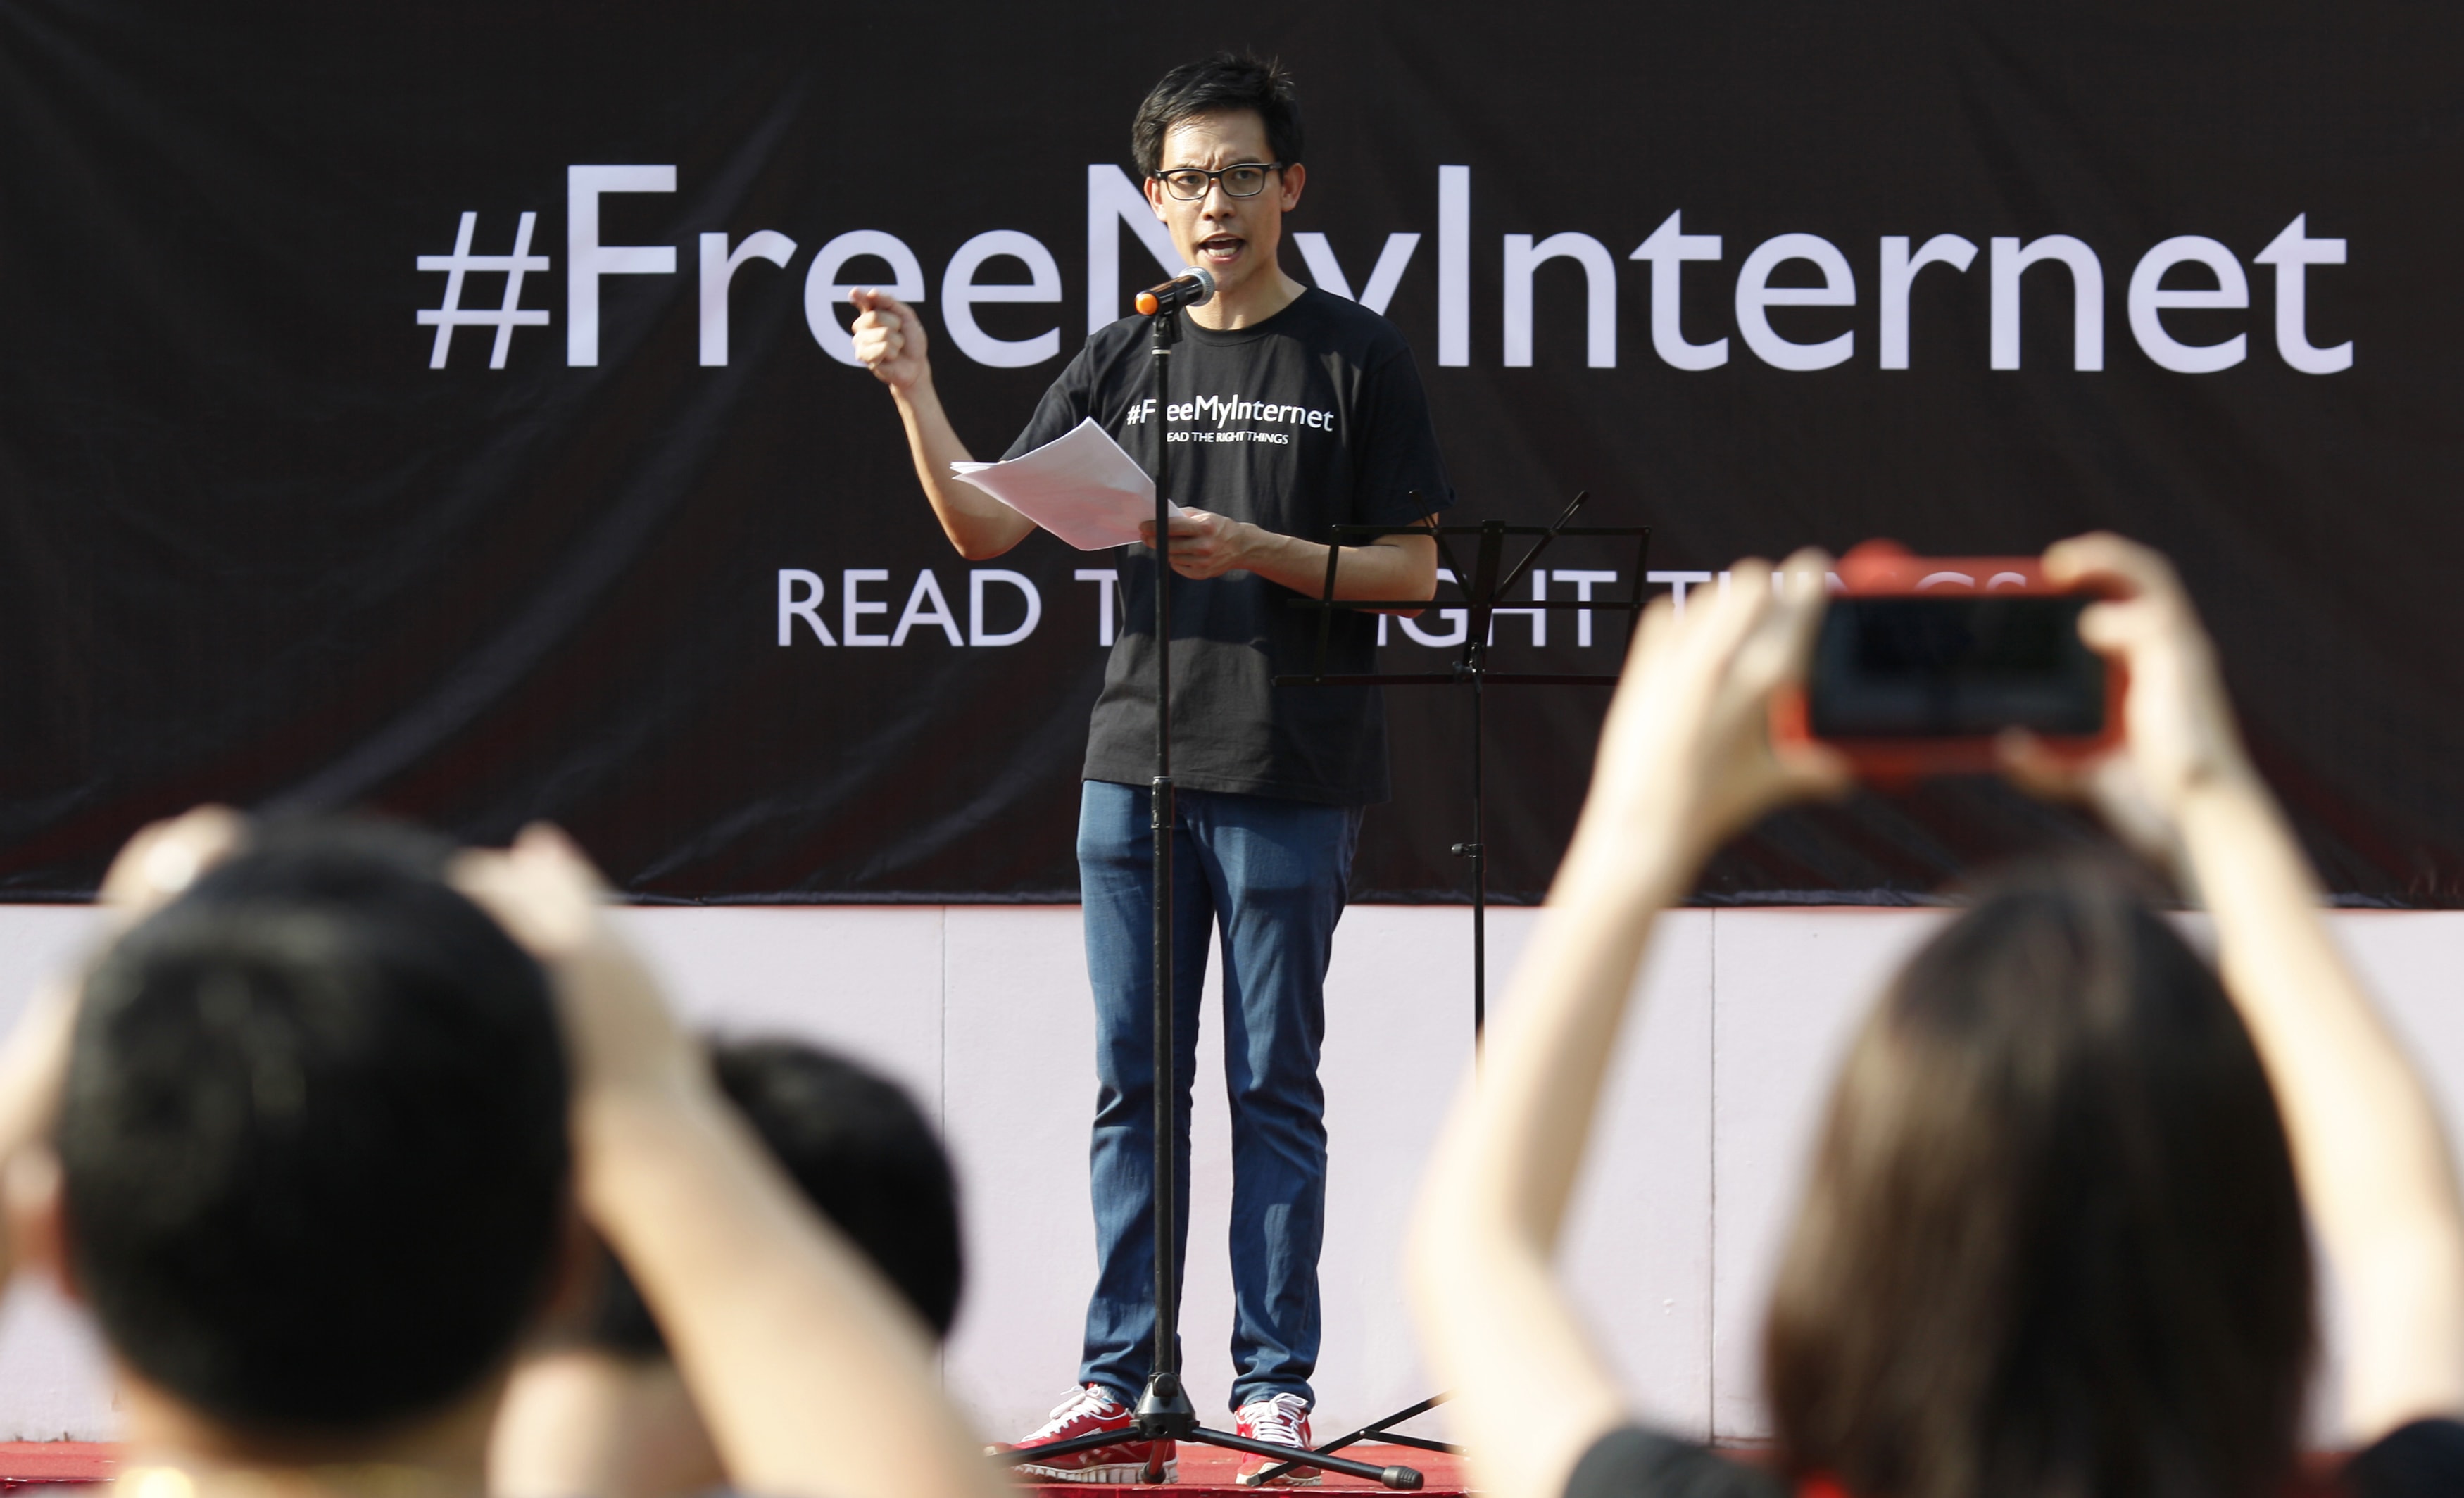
(1292,409)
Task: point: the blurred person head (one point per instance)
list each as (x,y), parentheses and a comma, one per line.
(859,1149)
(602,1410)
(312,1143)
(2052,1242)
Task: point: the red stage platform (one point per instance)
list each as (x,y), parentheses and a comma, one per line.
(1208,1471)
(41,1464)
(1203,1470)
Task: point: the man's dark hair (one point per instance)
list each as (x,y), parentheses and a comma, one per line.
(1215,85)
(313,1139)
(860,1148)
(2052,1243)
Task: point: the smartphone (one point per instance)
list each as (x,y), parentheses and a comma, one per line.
(1922,662)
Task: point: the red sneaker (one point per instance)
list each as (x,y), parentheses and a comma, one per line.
(1281,1420)
(1090,1409)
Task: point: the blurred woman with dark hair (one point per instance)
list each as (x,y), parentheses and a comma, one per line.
(2052,1243)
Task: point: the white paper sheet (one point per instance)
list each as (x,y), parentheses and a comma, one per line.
(1081,486)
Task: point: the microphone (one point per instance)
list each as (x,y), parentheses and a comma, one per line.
(1194,287)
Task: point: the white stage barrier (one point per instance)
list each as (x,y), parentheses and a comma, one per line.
(981,1011)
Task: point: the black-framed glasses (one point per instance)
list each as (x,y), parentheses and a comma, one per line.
(1245,180)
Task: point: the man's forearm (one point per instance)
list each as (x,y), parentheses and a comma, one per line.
(1403,568)
(979,525)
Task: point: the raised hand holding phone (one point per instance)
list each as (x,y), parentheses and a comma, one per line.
(2177,732)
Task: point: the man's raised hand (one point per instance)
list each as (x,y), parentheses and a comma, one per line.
(888,338)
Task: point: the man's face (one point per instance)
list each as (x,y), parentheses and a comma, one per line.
(1233,238)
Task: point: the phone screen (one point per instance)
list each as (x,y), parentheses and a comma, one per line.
(1956,664)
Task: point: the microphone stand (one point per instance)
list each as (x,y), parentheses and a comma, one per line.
(1163,1411)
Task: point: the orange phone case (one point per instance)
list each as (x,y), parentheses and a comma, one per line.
(1881,569)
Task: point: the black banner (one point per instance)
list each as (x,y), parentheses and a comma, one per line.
(445,406)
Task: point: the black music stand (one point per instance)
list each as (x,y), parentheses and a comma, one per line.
(1163,1411)
(1489,580)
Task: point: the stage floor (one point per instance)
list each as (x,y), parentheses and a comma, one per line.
(1203,1470)
(1209,1470)
(39,1464)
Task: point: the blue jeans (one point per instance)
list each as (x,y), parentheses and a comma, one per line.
(1272,874)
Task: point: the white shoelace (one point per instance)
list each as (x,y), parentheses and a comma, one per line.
(1278,1420)
(1089,1400)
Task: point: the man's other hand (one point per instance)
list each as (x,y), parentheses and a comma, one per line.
(1205,545)
(888,338)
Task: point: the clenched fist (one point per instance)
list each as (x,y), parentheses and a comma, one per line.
(888,338)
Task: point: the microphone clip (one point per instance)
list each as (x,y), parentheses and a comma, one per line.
(1194,287)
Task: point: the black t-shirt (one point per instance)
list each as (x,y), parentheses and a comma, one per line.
(2418,1460)
(1314,417)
